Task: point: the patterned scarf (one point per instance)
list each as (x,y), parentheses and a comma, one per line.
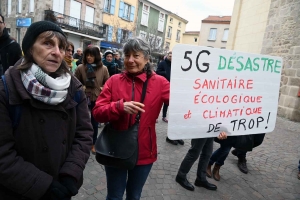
(45,88)
(68,61)
(90,75)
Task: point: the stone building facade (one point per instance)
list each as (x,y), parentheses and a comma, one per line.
(81,35)
(272,27)
(282,38)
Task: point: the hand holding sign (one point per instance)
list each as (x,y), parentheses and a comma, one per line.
(214,90)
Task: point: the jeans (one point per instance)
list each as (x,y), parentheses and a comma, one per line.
(220,155)
(94,122)
(299,166)
(164,111)
(117,182)
(203,146)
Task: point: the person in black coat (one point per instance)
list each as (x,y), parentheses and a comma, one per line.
(164,69)
(10,50)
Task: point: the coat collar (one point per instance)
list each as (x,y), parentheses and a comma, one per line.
(18,94)
(142,77)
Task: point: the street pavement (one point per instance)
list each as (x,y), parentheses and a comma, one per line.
(273,169)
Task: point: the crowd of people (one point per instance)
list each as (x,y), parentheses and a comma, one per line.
(53,99)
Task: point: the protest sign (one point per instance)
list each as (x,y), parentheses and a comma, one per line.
(215,90)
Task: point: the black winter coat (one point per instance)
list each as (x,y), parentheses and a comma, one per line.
(10,52)
(50,140)
(164,69)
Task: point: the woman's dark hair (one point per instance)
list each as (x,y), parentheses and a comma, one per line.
(140,45)
(70,44)
(94,51)
(28,58)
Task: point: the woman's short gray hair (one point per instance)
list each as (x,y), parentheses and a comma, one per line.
(136,45)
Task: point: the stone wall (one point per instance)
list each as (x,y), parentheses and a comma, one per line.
(282,38)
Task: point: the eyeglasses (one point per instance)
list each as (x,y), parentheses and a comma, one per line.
(70,50)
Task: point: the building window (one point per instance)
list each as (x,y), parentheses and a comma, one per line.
(167,47)
(31,6)
(212,34)
(19,10)
(196,39)
(225,35)
(8,7)
(89,15)
(145,15)
(109,6)
(161,22)
(58,6)
(122,35)
(171,20)
(126,11)
(178,35)
(223,47)
(143,34)
(169,33)
(179,24)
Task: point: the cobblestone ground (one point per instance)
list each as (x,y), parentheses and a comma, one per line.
(272,171)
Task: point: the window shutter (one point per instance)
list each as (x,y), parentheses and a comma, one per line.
(130,34)
(112,7)
(121,9)
(110,32)
(31,6)
(132,13)
(119,35)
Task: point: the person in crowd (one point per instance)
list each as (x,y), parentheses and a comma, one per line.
(118,59)
(160,59)
(43,154)
(68,57)
(78,53)
(202,147)
(10,50)
(164,69)
(219,156)
(93,75)
(118,104)
(109,61)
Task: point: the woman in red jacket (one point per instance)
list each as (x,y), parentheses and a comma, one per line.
(119,102)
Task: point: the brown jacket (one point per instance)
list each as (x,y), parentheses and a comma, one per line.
(48,142)
(101,77)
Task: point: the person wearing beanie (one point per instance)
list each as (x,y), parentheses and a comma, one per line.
(93,75)
(10,50)
(109,61)
(45,137)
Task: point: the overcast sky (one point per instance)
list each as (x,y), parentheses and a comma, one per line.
(196,10)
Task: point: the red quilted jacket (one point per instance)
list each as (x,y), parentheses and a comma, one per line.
(124,87)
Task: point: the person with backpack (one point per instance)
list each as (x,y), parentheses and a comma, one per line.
(10,50)
(45,137)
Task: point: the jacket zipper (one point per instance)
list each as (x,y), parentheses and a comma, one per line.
(132,98)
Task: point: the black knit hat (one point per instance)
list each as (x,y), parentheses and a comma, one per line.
(35,29)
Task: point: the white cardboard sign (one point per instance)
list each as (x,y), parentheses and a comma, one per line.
(215,90)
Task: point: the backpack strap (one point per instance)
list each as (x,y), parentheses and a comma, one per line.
(14,110)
